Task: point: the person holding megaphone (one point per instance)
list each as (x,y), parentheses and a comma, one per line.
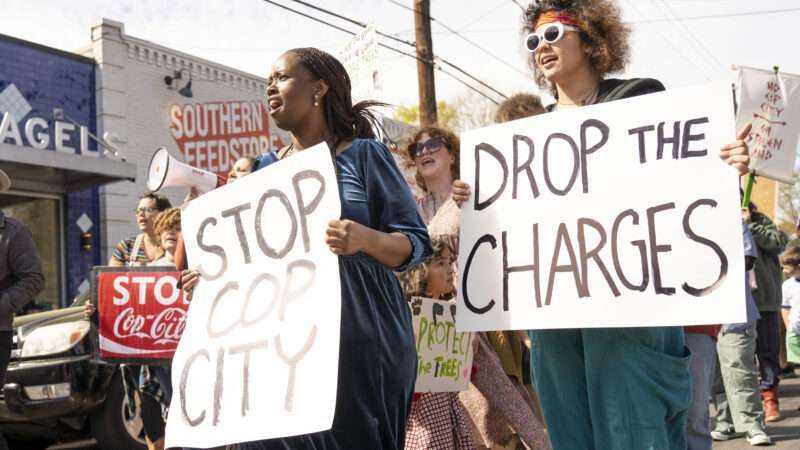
(380,231)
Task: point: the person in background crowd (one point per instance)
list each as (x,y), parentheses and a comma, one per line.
(155,380)
(767,293)
(790,260)
(702,342)
(435,169)
(735,388)
(787,367)
(501,411)
(609,388)
(379,231)
(518,106)
(167,227)
(243,166)
(437,421)
(21,278)
(141,250)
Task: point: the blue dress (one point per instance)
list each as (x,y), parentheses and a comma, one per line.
(377,356)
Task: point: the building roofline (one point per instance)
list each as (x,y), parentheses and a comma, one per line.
(51,50)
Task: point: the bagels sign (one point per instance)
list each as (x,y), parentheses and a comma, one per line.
(213,135)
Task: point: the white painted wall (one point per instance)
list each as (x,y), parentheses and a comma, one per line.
(133,102)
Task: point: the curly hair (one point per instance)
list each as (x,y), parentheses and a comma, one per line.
(602,29)
(414,281)
(518,106)
(167,219)
(451,143)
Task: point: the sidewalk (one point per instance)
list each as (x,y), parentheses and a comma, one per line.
(786,433)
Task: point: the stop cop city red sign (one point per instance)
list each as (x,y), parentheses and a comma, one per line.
(213,135)
(141,312)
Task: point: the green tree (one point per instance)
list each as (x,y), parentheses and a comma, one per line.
(445,112)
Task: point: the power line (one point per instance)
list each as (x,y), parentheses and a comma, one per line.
(672,45)
(669,12)
(316,19)
(483,14)
(395,38)
(720,16)
(469,41)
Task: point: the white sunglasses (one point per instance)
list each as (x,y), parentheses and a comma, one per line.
(552,33)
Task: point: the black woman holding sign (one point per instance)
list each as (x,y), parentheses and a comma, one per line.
(612,388)
(380,231)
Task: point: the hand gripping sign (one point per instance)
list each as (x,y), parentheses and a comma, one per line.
(613,215)
(259,356)
(141,312)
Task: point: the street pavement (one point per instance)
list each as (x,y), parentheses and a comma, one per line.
(785,433)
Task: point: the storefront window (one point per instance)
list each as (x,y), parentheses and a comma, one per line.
(41,216)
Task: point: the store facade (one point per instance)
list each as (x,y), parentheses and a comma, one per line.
(132,95)
(47,102)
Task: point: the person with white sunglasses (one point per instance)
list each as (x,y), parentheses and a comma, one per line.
(611,388)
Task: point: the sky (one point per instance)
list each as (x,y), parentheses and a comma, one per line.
(673,40)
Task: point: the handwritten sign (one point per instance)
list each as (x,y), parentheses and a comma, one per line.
(360,59)
(614,215)
(771,102)
(141,312)
(444,355)
(259,356)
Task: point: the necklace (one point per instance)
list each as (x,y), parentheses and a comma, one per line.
(586,100)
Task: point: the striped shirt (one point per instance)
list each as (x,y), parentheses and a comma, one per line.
(122,253)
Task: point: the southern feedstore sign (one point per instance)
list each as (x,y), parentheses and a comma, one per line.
(613,215)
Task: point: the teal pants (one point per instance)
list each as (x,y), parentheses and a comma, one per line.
(613,388)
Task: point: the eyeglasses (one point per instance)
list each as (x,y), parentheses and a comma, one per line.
(433,145)
(552,33)
(145,210)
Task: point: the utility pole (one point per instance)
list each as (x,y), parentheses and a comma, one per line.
(427,89)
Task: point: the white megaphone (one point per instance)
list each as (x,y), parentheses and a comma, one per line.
(166,171)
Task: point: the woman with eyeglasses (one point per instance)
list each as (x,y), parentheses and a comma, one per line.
(500,413)
(143,249)
(609,388)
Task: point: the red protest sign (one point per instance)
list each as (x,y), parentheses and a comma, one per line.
(141,312)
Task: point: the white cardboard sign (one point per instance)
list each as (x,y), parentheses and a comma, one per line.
(771,102)
(444,355)
(613,215)
(259,356)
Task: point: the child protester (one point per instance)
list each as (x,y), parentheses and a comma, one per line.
(438,421)
(790,260)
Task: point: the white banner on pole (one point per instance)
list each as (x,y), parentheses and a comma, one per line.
(771,102)
(259,356)
(444,355)
(360,58)
(614,215)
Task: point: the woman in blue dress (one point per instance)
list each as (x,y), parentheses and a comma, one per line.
(379,231)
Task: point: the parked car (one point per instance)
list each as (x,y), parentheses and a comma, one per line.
(57,390)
